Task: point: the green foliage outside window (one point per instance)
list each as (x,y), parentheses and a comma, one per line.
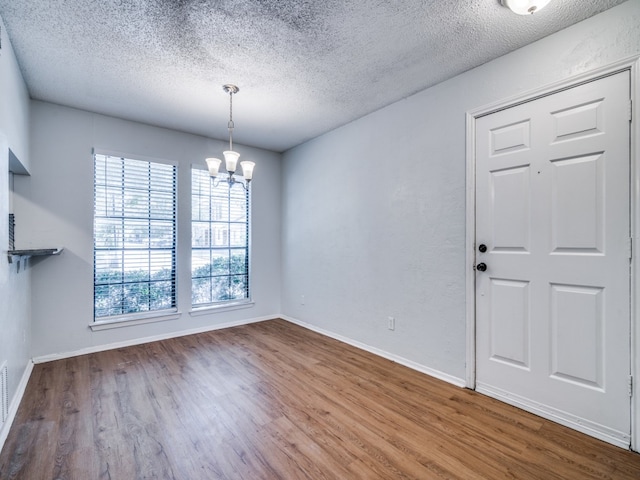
(207,288)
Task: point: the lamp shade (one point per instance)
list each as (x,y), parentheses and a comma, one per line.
(213,164)
(525,7)
(247,170)
(231,160)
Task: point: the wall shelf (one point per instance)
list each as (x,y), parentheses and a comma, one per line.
(34,252)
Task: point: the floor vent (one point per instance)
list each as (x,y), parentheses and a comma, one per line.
(4,394)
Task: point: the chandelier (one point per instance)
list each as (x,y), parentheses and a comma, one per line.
(231,156)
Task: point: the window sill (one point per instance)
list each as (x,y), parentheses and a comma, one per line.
(225,307)
(129,321)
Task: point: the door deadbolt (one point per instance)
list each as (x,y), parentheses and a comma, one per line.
(482,247)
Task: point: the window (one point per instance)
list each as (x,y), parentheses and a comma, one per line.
(219,240)
(134,236)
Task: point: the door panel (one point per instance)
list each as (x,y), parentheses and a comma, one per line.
(510,138)
(510,322)
(577,189)
(510,203)
(579,121)
(553,306)
(577,335)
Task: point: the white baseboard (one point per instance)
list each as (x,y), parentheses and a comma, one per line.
(155,338)
(15,403)
(139,341)
(459,382)
(592,429)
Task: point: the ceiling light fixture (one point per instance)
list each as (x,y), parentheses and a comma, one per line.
(525,7)
(230,156)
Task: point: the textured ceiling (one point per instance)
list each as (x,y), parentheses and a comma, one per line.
(303,66)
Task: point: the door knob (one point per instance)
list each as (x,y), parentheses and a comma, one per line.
(482,247)
(481,267)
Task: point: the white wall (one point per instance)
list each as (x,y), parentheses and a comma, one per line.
(14,284)
(14,100)
(374,212)
(57,201)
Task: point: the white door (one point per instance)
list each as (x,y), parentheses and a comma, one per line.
(552,209)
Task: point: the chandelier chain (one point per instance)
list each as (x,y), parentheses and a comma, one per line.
(231,120)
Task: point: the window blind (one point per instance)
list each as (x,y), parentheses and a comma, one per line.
(219,241)
(134,236)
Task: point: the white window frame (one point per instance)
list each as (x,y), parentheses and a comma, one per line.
(135,318)
(223,305)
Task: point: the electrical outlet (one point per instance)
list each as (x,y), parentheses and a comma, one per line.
(391,323)
(301,299)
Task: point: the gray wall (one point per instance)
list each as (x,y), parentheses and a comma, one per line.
(57,203)
(15,329)
(374,212)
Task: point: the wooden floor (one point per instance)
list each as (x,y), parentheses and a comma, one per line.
(275,401)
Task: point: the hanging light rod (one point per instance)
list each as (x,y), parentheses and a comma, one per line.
(525,7)
(231,156)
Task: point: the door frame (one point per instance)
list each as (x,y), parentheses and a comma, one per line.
(631,64)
